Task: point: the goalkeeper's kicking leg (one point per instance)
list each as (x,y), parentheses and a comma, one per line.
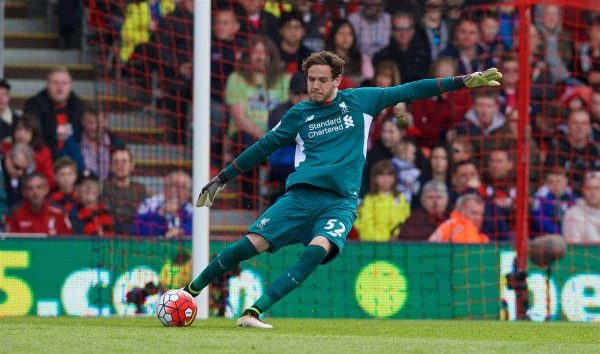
(310,258)
(246,248)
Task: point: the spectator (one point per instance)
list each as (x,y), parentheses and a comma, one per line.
(433,117)
(342,41)
(35,215)
(69,23)
(509,66)
(464,224)
(257,87)
(508,22)
(97,142)
(291,32)
(175,42)
(17,162)
(28,131)
(59,110)
(90,216)
(500,177)
(373,25)
(440,162)
(168,214)
(489,27)
(557,42)
(8,117)
(462,149)
(551,202)
(141,19)
(257,21)
(465,48)
(282,161)
(423,221)
(588,54)
(595,113)
(575,152)
(482,120)
(408,48)
(65,170)
(383,209)
(582,221)
(404,159)
(436,28)
(313,24)
(120,193)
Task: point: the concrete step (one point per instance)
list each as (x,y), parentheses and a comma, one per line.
(31,87)
(40,71)
(30,40)
(16,9)
(25,25)
(41,56)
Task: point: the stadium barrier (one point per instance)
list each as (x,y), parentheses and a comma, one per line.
(91,277)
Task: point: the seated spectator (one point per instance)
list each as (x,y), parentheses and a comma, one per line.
(423,221)
(408,48)
(313,24)
(59,110)
(489,27)
(90,216)
(582,221)
(168,214)
(386,75)
(404,162)
(551,202)
(35,215)
(509,66)
(291,32)
(256,21)
(543,87)
(342,41)
(16,163)
(462,149)
(466,49)
(65,171)
(29,132)
(440,162)
(575,152)
(120,193)
(97,141)
(595,113)
(500,177)
(282,161)
(141,19)
(373,25)
(588,53)
(8,116)
(383,209)
(436,27)
(434,117)
(464,223)
(557,42)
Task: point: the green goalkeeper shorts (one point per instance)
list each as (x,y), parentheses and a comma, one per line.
(303,213)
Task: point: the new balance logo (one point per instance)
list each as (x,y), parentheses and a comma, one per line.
(348,122)
(263,223)
(344,107)
(308,119)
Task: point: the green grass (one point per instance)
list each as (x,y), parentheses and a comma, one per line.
(146,335)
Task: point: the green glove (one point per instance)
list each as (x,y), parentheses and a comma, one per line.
(487,78)
(210,190)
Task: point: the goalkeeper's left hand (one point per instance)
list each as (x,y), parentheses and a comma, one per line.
(488,77)
(210,190)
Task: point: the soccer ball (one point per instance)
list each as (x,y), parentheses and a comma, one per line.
(176,308)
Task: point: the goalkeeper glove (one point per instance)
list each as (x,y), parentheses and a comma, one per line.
(488,77)
(210,190)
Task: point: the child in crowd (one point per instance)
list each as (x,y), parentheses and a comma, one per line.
(65,170)
(551,202)
(90,217)
(383,208)
(405,156)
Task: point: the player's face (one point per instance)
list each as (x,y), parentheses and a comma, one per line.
(322,86)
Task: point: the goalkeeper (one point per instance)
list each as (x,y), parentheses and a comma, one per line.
(330,131)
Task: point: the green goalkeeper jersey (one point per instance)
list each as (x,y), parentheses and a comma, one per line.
(331,138)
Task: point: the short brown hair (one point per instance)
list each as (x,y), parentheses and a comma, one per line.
(325,58)
(382,167)
(63,162)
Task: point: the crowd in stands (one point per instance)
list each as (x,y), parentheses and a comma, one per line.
(442,169)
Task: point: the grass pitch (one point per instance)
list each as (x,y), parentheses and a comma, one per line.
(146,335)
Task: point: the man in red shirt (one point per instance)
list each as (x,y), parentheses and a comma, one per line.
(35,214)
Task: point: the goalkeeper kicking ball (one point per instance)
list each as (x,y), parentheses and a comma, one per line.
(176,308)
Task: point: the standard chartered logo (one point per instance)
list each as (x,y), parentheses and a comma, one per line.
(330,126)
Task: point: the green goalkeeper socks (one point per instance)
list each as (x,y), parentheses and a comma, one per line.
(225,261)
(292,278)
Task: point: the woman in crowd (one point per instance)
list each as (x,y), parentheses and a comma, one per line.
(342,41)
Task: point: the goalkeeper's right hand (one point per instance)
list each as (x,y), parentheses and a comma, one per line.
(210,190)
